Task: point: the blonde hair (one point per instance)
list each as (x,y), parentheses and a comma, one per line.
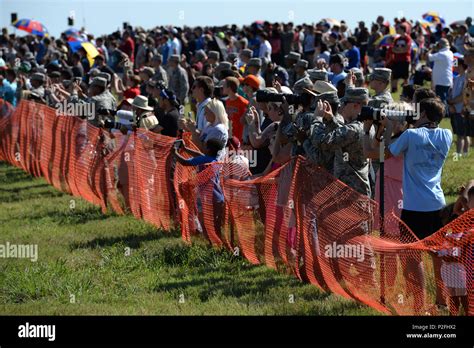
(218,109)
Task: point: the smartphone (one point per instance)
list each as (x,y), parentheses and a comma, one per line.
(178,143)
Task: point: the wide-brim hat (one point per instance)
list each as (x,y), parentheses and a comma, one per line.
(141,102)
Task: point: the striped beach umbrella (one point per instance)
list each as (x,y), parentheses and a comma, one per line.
(433,17)
(31,26)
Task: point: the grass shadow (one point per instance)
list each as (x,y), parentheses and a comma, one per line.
(132,240)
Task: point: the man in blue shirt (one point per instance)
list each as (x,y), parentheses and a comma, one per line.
(8,87)
(352,53)
(424,150)
(337,74)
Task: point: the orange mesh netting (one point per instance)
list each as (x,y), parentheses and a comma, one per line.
(298,219)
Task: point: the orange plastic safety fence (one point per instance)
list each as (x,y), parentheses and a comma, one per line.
(297,219)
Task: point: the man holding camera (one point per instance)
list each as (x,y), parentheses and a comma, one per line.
(311,144)
(347,140)
(425,149)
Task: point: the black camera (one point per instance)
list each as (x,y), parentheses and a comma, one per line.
(106,112)
(264,96)
(375,114)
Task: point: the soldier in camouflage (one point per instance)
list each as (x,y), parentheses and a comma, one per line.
(347,140)
(312,143)
(379,81)
(291,60)
(317,75)
(177,78)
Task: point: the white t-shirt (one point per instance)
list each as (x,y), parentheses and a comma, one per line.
(443,67)
(265,50)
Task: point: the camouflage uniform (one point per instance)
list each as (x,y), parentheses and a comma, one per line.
(178,83)
(161,75)
(350,164)
(312,145)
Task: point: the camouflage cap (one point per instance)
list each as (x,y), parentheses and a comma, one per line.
(200,55)
(99,82)
(302,64)
(330,97)
(293,55)
(223,66)
(175,58)
(323,87)
(247,52)
(105,76)
(302,85)
(213,55)
(232,57)
(38,77)
(381,74)
(355,95)
(318,75)
(358,74)
(257,62)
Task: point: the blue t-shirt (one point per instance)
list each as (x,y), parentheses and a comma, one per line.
(353,55)
(336,78)
(200,160)
(424,152)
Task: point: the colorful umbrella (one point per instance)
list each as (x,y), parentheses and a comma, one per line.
(31,26)
(88,47)
(433,17)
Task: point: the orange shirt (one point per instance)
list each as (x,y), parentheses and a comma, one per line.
(235,110)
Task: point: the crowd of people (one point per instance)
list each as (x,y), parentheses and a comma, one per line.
(275,91)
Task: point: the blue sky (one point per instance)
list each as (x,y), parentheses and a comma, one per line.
(105,16)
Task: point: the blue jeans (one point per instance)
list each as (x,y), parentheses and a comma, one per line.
(442,93)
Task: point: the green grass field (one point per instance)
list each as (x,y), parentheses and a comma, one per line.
(83,267)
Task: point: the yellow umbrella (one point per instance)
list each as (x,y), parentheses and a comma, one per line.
(91,52)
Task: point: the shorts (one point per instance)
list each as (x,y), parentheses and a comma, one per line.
(422,223)
(460,125)
(400,70)
(470,128)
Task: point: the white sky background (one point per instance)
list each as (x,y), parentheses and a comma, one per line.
(106,16)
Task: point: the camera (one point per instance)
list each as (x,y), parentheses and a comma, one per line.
(264,96)
(375,114)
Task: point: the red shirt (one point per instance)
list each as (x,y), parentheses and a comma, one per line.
(402,42)
(235,110)
(129,48)
(131,92)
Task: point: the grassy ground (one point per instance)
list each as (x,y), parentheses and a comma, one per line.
(82,259)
